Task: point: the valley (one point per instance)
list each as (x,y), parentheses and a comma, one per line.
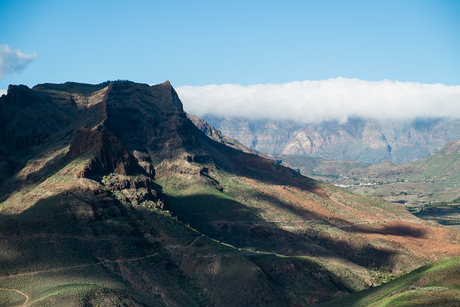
(428,187)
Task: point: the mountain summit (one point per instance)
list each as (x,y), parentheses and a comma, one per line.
(111,196)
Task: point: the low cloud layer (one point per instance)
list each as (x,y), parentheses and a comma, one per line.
(13,61)
(3,92)
(316,101)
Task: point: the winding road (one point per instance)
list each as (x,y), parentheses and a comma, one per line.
(65,268)
(20,292)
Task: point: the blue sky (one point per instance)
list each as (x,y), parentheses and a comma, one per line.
(238,42)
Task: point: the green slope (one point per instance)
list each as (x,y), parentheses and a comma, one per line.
(434,284)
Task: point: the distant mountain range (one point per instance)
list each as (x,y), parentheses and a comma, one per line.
(111,196)
(358,139)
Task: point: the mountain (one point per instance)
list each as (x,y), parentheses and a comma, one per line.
(358,139)
(111,196)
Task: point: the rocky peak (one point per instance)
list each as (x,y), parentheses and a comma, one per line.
(147,118)
(137,119)
(20,96)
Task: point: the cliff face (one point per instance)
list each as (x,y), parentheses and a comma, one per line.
(148,119)
(108,154)
(137,123)
(362,140)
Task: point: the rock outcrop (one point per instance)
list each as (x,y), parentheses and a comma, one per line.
(108,154)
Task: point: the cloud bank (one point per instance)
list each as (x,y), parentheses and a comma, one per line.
(13,61)
(316,101)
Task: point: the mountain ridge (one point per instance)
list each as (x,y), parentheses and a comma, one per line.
(358,139)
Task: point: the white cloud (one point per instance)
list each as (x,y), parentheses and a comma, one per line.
(3,92)
(13,61)
(316,101)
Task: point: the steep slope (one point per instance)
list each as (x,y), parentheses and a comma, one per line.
(26,119)
(358,139)
(435,284)
(131,204)
(219,137)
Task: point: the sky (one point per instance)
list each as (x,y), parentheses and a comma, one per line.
(360,50)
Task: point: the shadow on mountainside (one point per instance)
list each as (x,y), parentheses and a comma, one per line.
(28,177)
(383,227)
(232,222)
(39,167)
(57,236)
(394,229)
(367,223)
(253,166)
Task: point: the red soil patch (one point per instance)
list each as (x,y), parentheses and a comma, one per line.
(400,237)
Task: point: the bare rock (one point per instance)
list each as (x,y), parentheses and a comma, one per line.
(107,154)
